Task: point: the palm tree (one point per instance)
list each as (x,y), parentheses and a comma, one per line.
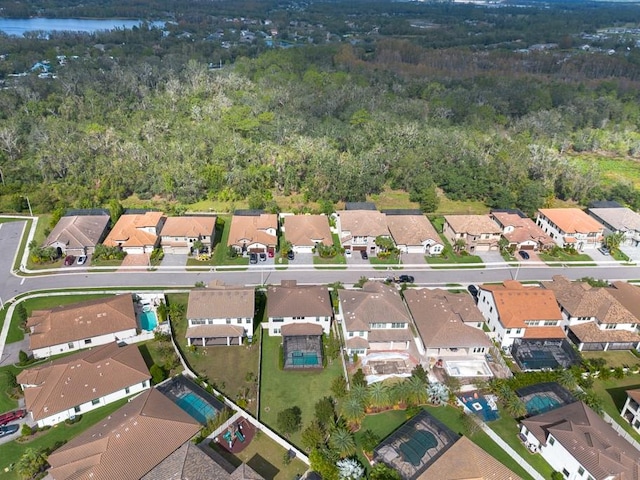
(459,245)
(515,406)
(342,442)
(360,393)
(400,392)
(417,390)
(613,241)
(567,379)
(378,395)
(352,410)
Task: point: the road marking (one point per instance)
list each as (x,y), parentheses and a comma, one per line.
(22,282)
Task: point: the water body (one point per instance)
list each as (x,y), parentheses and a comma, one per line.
(18,26)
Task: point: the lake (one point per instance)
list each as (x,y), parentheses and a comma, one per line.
(18,26)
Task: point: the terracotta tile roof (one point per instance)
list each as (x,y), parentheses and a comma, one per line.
(295,329)
(516,304)
(363,223)
(214,331)
(628,295)
(572,220)
(290,300)
(524,230)
(78,231)
(439,316)
(579,299)
(128,443)
(132,230)
(357,342)
(472,224)
(70,381)
(374,303)
(193,226)
(253,229)
(464,460)
(544,332)
(222,302)
(187,463)
(307,230)
(80,321)
(590,333)
(411,229)
(634,394)
(589,439)
(389,335)
(245,472)
(621,219)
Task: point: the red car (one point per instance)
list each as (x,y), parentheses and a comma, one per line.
(12,416)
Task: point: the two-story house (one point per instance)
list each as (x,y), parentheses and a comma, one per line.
(515,311)
(619,220)
(594,318)
(220,315)
(631,409)
(180,234)
(374,318)
(571,227)
(253,233)
(358,229)
(472,233)
(413,233)
(520,231)
(136,233)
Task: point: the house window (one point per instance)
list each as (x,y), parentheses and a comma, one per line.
(508,332)
(552,441)
(276,330)
(350,334)
(198,322)
(127,390)
(278,320)
(95,401)
(144,384)
(518,331)
(248,320)
(581,471)
(377,325)
(478,349)
(361,334)
(76,409)
(398,325)
(491,309)
(610,326)
(87,341)
(70,345)
(228,321)
(318,319)
(565,472)
(239,321)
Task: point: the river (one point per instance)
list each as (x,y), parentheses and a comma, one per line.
(18,26)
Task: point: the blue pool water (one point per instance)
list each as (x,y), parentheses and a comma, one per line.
(148,320)
(196,407)
(541,404)
(480,406)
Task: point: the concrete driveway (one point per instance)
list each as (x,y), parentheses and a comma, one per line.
(632,252)
(174,260)
(490,257)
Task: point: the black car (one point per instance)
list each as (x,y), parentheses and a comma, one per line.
(524,255)
(363,254)
(291,255)
(473,290)
(263,257)
(8,430)
(405,279)
(253,258)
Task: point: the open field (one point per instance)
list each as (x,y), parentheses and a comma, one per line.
(612,169)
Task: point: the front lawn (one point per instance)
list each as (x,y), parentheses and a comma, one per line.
(221,254)
(566,257)
(338,259)
(281,389)
(471,261)
(6,402)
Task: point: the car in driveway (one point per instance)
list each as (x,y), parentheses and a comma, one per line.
(12,416)
(364,255)
(604,250)
(253,258)
(82,259)
(8,430)
(69,259)
(262,257)
(473,290)
(524,255)
(291,255)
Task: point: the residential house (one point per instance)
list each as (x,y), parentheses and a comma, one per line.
(515,311)
(520,231)
(374,318)
(577,442)
(180,234)
(446,323)
(220,315)
(256,233)
(413,233)
(619,220)
(74,385)
(472,233)
(631,409)
(136,233)
(78,234)
(358,229)
(594,317)
(81,325)
(304,232)
(571,226)
(290,303)
(130,443)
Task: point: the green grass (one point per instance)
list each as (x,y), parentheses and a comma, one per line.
(337,260)
(565,257)
(16,334)
(6,402)
(221,250)
(23,245)
(468,261)
(282,389)
(382,424)
(613,170)
(389,261)
(612,394)
(10,452)
(40,237)
(393,199)
(614,358)
(453,207)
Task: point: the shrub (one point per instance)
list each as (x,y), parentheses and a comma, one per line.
(26,430)
(158,375)
(23,357)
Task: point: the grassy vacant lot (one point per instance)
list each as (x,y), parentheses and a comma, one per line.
(265,457)
(221,251)
(616,169)
(16,333)
(614,358)
(232,370)
(393,199)
(612,394)
(12,451)
(280,389)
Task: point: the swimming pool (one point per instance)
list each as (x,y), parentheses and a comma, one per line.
(468,368)
(196,407)
(148,320)
(304,358)
(481,406)
(541,404)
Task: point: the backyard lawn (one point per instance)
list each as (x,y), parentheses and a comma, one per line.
(612,394)
(221,250)
(614,358)
(280,389)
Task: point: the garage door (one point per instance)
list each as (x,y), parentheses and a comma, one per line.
(527,247)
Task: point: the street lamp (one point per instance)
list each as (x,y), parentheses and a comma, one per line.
(29,205)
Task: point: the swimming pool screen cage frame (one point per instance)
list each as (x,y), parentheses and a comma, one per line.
(547,389)
(559,354)
(292,344)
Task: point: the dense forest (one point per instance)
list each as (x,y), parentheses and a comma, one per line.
(467,106)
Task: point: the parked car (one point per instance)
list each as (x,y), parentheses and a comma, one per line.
(291,255)
(82,259)
(12,416)
(473,290)
(347,253)
(69,259)
(405,279)
(262,257)
(253,258)
(604,250)
(364,255)
(270,254)
(524,255)
(8,430)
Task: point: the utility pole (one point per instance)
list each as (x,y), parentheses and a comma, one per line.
(29,205)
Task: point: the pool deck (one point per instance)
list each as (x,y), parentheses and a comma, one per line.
(247,429)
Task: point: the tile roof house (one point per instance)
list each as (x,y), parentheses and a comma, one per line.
(253,233)
(358,229)
(619,220)
(179,234)
(515,311)
(571,226)
(128,444)
(136,233)
(521,232)
(220,315)
(479,232)
(443,322)
(78,234)
(414,234)
(305,231)
(290,303)
(73,385)
(631,409)
(374,318)
(81,325)
(576,441)
(595,317)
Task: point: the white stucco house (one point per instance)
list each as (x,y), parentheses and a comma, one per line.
(571,226)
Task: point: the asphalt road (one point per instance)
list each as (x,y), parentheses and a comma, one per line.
(12,283)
